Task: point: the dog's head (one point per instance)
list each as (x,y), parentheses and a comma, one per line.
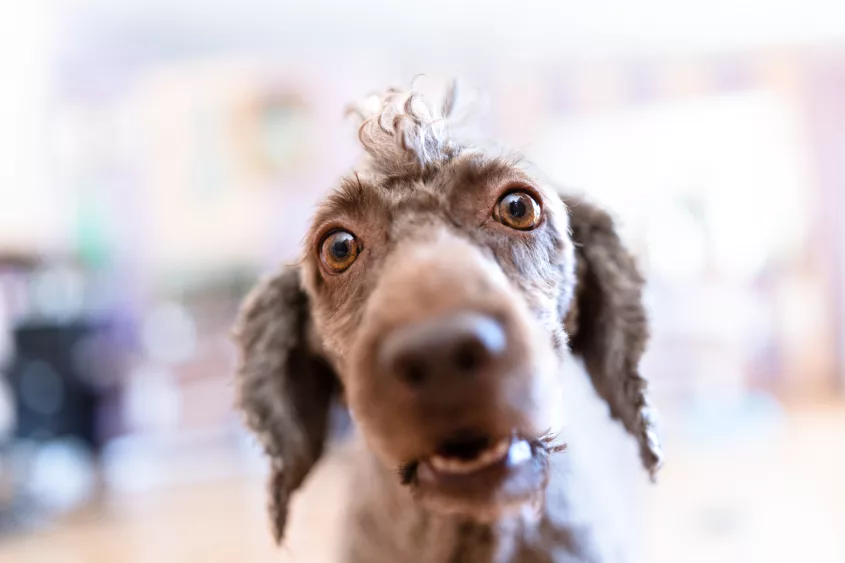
(439,291)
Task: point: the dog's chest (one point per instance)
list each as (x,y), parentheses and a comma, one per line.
(448,542)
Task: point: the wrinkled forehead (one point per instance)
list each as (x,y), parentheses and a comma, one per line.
(459,182)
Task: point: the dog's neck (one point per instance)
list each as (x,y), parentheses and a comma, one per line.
(388,525)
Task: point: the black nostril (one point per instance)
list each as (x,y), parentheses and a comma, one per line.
(468,357)
(414,372)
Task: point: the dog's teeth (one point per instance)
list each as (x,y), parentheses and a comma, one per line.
(519,452)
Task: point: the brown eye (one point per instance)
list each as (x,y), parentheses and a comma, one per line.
(339,250)
(517,210)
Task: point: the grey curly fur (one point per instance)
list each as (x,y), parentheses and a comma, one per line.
(283,388)
(403,135)
(609,328)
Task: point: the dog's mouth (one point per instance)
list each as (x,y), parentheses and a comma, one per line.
(464,457)
(478,475)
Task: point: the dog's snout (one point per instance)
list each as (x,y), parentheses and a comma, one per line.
(443,351)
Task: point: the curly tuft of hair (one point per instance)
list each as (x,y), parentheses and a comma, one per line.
(404,135)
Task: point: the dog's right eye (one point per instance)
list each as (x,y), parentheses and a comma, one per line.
(339,250)
(518,210)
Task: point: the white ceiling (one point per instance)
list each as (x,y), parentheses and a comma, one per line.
(527,28)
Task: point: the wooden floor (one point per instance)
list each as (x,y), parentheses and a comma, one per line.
(767,498)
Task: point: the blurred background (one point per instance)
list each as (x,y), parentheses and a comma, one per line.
(156,157)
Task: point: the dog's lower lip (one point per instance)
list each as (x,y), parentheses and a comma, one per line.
(511,473)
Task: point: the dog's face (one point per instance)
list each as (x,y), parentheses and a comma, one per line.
(439,302)
(437,299)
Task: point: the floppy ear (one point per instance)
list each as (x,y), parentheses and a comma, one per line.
(607,324)
(284,388)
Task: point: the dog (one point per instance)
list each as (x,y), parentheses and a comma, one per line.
(441,289)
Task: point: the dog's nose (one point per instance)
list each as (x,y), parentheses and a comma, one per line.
(443,350)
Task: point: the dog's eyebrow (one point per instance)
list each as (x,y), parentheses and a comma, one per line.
(350,198)
(480,171)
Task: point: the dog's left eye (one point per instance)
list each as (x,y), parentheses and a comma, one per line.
(338,250)
(518,210)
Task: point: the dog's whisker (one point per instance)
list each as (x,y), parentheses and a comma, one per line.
(407,472)
(549,442)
